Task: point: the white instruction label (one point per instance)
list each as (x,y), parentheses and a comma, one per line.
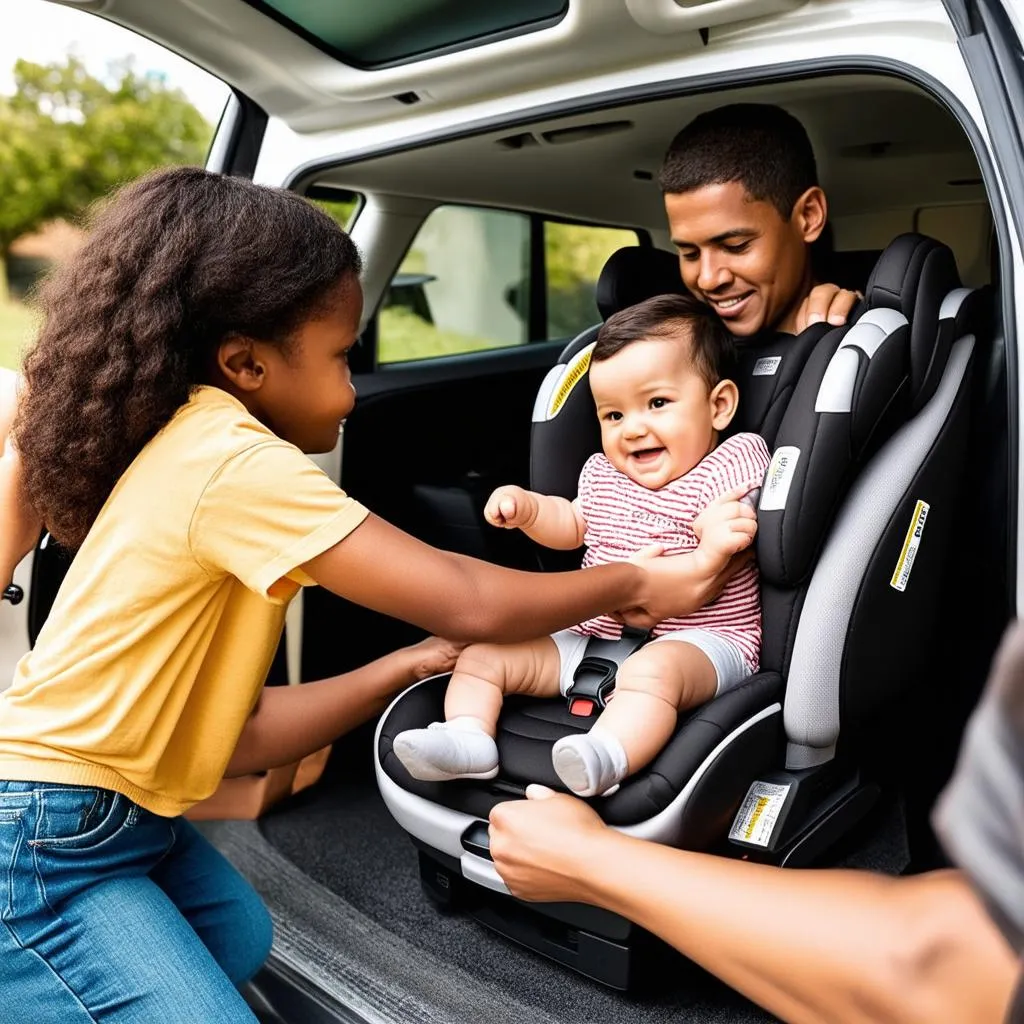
(766,366)
(778,479)
(756,818)
(912,541)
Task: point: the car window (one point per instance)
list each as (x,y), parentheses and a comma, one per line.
(85,105)
(476,278)
(573,257)
(338,203)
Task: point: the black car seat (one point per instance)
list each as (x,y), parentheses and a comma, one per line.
(868,424)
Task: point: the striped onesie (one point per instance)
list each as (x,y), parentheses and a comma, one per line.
(622,517)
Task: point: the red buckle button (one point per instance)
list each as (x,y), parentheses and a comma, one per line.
(581,707)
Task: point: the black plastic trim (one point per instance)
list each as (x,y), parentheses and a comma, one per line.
(246,130)
(295,998)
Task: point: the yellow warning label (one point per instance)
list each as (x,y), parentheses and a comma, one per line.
(912,541)
(573,375)
(758,815)
(762,803)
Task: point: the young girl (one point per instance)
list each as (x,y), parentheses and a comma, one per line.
(190,354)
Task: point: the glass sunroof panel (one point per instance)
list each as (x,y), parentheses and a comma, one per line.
(376,33)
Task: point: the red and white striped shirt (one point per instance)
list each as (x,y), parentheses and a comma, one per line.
(622,517)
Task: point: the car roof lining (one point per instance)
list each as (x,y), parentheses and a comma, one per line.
(880,143)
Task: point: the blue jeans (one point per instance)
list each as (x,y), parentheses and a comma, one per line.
(111,913)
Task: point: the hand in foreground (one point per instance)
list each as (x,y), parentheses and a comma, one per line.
(728,525)
(826,302)
(532,841)
(433,656)
(511,508)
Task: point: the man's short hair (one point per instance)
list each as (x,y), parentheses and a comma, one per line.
(712,350)
(761,146)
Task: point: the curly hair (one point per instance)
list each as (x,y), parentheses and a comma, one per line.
(176,263)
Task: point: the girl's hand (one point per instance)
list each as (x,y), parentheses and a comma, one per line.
(533,843)
(511,508)
(433,656)
(672,576)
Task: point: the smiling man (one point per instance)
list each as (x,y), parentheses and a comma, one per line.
(744,208)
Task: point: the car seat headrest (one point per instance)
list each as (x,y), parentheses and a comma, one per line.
(636,273)
(913,275)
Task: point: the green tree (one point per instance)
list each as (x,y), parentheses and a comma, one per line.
(68,137)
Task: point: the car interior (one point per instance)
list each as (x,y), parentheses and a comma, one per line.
(860,712)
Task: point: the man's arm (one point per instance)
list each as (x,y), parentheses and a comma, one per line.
(848,947)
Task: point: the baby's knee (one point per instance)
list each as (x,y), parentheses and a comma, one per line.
(528,668)
(661,671)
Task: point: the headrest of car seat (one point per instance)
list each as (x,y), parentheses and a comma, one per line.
(913,275)
(850,268)
(859,385)
(635,273)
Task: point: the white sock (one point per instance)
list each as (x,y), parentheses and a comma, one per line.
(590,763)
(458,749)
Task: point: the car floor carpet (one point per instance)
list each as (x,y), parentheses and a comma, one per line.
(341,880)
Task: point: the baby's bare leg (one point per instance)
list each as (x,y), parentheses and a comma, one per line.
(462,746)
(651,688)
(485,673)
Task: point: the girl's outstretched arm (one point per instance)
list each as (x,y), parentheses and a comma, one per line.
(292,721)
(847,947)
(383,568)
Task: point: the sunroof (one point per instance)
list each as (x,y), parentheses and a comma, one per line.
(376,33)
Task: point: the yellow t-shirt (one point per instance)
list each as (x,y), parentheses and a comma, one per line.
(161,637)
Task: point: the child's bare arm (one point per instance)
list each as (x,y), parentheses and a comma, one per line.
(290,722)
(383,568)
(549,520)
(727,526)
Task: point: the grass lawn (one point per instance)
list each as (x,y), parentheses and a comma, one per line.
(17,327)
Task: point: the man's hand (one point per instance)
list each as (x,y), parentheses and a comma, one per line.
(511,508)
(533,843)
(727,526)
(433,656)
(826,302)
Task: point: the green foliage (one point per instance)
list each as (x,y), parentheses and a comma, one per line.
(404,335)
(18,326)
(67,138)
(340,212)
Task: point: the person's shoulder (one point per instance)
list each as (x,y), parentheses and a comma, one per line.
(742,445)
(597,467)
(217,424)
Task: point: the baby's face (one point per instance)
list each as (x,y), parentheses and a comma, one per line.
(656,413)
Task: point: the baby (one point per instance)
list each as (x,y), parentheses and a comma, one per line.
(659,376)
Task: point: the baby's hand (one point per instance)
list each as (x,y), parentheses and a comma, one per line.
(433,656)
(511,507)
(726,526)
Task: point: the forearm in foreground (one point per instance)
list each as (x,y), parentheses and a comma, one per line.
(847,947)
